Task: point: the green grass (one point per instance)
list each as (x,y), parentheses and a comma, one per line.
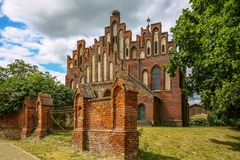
(220,143)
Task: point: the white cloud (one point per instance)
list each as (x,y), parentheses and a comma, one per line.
(63,18)
(53,27)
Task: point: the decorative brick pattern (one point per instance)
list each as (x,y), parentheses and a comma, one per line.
(109,124)
(171,108)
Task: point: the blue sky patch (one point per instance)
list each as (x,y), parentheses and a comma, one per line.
(6,22)
(55,67)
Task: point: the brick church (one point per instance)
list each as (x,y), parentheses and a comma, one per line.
(160,97)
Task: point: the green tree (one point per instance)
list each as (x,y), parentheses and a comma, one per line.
(19,80)
(208,37)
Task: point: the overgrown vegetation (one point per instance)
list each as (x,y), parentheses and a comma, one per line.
(215,143)
(208,37)
(20,79)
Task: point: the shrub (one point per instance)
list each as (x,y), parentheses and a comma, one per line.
(199,121)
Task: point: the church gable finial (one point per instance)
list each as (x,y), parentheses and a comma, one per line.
(148,20)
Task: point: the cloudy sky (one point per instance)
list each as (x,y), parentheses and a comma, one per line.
(44,32)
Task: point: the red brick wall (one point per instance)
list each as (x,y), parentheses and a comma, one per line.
(44,115)
(107,124)
(11,125)
(21,123)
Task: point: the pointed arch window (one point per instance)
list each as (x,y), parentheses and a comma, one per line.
(145,77)
(134,53)
(155,37)
(121,44)
(99,65)
(75,60)
(148,48)
(156,78)
(127,48)
(163,47)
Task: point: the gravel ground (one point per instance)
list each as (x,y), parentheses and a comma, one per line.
(9,151)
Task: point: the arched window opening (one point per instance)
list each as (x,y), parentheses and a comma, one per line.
(134,53)
(115,36)
(99,65)
(107,93)
(155,47)
(155,37)
(145,77)
(148,48)
(163,49)
(75,60)
(142,55)
(126,48)
(121,44)
(141,112)
(163,43)
(156,78)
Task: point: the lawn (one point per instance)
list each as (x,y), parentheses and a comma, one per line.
(220,143)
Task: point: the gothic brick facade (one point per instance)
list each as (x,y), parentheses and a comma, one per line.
(108,124)
(160,97)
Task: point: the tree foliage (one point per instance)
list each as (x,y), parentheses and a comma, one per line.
(208,37)
(19,80)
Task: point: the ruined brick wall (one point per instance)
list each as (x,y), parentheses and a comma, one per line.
(29,122)
(11,125)
(23,122)
(108,124)
(44,115)
(140,55)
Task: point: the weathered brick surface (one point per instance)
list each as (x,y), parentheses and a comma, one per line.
(171,110)
(109,124)
(11,125)
(22,123)
(44,115)
(29,116)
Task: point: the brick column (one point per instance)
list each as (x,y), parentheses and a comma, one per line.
(78,133)
(44,115)
(29,116)
(125,114)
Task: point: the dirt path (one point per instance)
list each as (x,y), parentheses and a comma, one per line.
(9,151)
